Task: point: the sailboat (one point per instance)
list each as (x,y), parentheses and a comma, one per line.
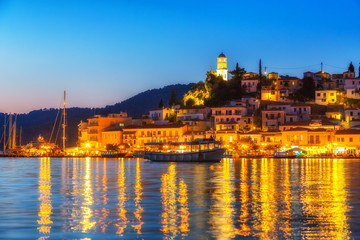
(62,125)
(10,147)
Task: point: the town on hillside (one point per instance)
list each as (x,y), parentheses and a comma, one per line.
(252,114)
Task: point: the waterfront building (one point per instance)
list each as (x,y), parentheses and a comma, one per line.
(271,138)
(254,135)
(313,141)
(137,136)
(222,66)
(112,135)
(227,137)
(311,124)
(347,142)
(90,132)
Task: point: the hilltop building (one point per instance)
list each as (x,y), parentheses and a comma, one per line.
(222,66)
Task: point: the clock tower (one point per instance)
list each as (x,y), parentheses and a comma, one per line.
(222,66)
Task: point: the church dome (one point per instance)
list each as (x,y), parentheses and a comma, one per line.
(222,55)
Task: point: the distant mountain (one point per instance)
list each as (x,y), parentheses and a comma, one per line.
(41,122)
(145,101)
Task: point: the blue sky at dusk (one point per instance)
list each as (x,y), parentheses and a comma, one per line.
(103,52)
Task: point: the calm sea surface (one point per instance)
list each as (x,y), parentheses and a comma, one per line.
(136,199)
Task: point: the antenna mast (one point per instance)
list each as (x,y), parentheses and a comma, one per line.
(64,123)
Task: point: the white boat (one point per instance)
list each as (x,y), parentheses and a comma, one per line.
(200,150)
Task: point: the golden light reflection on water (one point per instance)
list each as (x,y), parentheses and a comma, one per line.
(268,214)
(45,209)
(255,198)
(104,212)
(286,211)
(87,212)
(222,210)
(324,199)
(245,229)
(138,194)
(174,199)
(122,219)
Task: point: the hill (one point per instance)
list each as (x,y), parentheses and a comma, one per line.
(41,122)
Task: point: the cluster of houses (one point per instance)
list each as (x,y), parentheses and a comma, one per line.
(268,118)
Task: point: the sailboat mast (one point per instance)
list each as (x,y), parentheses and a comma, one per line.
(14,133)
(64,123)
(10,131)
(20,136)
(4,132)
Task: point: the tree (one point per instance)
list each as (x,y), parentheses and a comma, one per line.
(172,100)
(161,104)
(351,67)
(190,102)
(172,117)
(307,91)
(260,69)
(237,73)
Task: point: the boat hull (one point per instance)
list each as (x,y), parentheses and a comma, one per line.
(213,155)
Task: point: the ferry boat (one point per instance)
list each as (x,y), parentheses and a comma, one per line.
(199,150)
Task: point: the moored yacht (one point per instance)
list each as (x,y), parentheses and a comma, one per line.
(199,150)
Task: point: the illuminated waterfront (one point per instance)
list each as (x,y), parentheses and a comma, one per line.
(130,199)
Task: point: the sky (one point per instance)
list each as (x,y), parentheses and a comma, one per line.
(103,52)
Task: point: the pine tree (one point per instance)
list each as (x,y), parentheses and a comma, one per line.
(351,67)
(238,72)
(172,100)
(260,69)
(161,104)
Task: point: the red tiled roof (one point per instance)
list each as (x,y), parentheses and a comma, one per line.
(193,107)
(347,132)
(174,125)
(306,129)
(324,122)
(113,128)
